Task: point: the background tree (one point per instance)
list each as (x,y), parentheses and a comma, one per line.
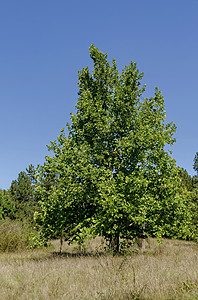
(113,175)
(7,209)
(21,194)
(180,222)
(186,179)
(195,192)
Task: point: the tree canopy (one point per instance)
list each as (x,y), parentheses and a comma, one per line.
(112,175)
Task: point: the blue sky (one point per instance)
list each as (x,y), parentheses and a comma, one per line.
(43,44)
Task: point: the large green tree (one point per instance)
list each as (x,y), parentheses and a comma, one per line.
(112,174)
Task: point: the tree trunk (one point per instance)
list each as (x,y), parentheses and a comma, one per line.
(115,242)
(141,241)
(61,244)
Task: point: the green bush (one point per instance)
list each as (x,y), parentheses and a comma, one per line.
(14,236)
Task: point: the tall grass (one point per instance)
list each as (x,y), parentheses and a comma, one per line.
(166,271)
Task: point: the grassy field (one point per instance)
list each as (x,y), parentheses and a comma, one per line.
(166,271)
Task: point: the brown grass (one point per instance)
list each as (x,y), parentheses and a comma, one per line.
(167,271)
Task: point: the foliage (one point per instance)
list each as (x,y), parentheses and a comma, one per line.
(7,208)
(21,194)
(183,226)
(186,179)
(36,240)
(14,236)
(195,166)
(195,193)
(112,176)
(61,204)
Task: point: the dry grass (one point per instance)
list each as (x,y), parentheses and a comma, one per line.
(167,271)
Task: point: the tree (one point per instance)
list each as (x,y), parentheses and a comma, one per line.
(195,166)
(186,179)
(21,193)
(112,174)
(7,209)
(64,204)
(195,192)
(180,223)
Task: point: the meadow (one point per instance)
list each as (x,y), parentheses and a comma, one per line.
(162,271)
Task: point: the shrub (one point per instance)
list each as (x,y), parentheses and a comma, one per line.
(14,236)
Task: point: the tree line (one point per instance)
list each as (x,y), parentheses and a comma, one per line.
(111,175)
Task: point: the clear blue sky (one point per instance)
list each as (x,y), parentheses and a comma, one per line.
(43,44)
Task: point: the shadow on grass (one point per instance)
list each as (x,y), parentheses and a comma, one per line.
(78,254)
(188,244)
(66,255)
